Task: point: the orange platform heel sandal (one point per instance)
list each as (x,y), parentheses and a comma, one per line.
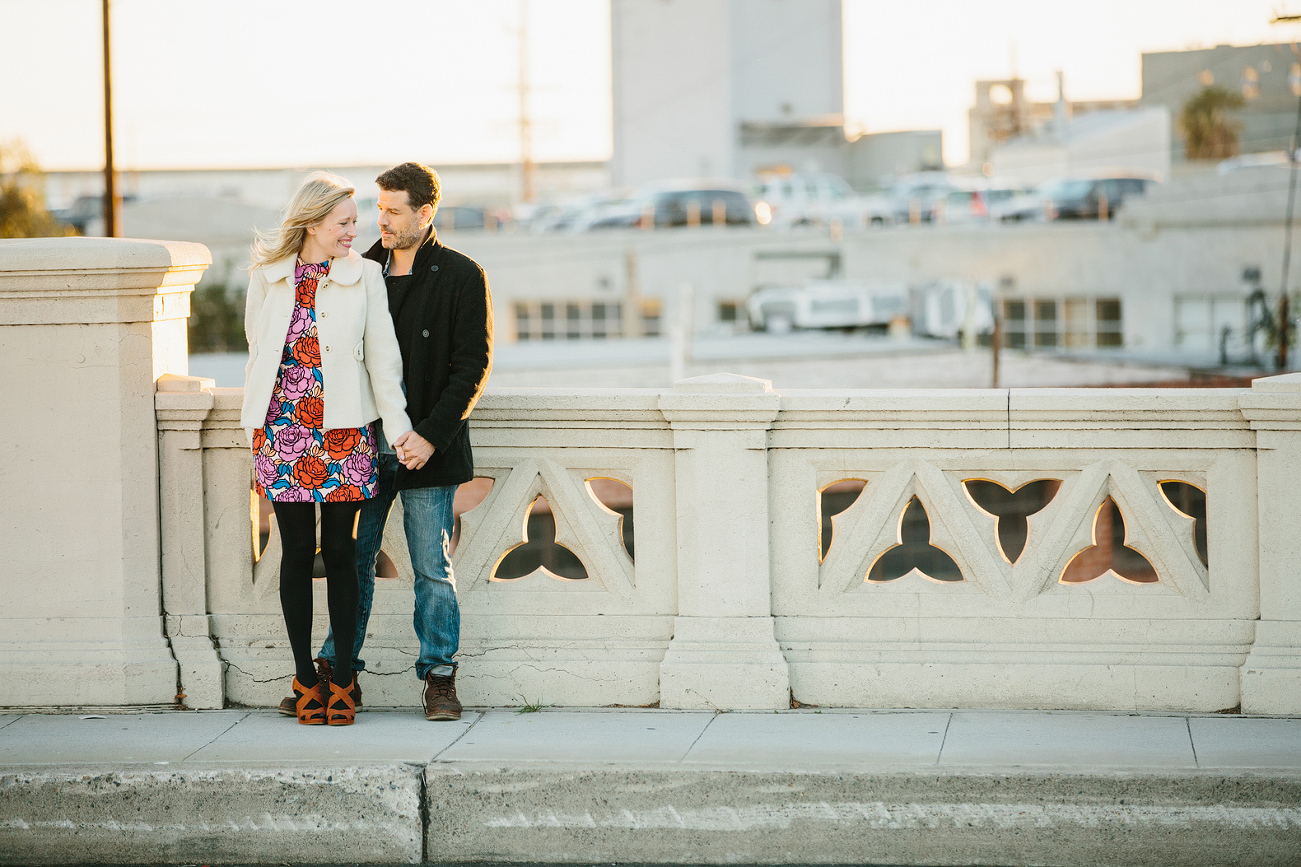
(342,710)
(308,704)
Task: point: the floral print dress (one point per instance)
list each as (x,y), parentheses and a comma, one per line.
(294,459)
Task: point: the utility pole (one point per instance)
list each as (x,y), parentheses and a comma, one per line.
(112,201)
(527,168)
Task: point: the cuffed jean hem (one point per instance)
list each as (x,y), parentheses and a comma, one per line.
(436,670)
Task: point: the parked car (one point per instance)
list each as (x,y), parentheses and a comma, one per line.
(611,211)
(972,203)
(1253,161)
(460,217)
(692,202)
(916,196)
(825,304)
(85,210)
(817,199)
(560,216)
(668,204)
(1072,199)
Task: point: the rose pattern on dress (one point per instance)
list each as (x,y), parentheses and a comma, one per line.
(341,441)
(307,350)
(344,494)
(310,411)
(298,324)
(265,467)
(310,471)
(295,382)
(356,468)
(291,441)
(295,460)
(294,495)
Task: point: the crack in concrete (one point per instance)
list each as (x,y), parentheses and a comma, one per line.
(215,738)
(424,816)
(456,740)
(230,664)
(944,739)
(408,670)
(1009,418)
(683,757)
(706,700)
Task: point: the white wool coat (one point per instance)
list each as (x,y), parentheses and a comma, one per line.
(361,364)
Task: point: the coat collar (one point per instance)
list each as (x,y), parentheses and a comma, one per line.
(345,271)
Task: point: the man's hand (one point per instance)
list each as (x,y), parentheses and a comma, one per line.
(414,451)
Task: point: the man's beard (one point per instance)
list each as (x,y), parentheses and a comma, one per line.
(410,238)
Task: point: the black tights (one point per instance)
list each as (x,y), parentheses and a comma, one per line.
(297,522)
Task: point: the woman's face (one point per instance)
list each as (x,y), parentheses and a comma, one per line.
(333,236)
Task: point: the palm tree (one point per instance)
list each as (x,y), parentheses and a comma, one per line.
(1209,133)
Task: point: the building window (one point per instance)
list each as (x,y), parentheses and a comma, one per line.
(1045,323)
(1071,323)
(650,317)
(1014,324)
(1075,324)
(574,322)
(583,320)
(1108,323)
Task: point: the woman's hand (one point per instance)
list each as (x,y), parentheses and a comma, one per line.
(414,451)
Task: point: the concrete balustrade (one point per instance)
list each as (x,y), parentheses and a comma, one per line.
(86,328)
(134,564)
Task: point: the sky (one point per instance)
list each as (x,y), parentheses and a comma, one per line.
(258,83)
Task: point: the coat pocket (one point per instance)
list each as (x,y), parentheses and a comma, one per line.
(359,351)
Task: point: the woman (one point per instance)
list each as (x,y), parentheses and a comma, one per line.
(323,363)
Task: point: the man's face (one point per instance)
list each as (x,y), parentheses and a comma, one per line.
(401,227)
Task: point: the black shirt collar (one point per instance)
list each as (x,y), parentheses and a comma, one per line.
(384,256)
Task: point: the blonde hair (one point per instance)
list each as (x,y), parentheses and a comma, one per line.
(313,202)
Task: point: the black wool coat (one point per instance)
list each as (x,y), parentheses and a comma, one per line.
(444,323)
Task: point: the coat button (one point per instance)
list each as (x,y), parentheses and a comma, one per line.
(425,333)
(327,349)
(433,267)
(324,314)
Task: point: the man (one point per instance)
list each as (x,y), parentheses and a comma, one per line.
(442,313)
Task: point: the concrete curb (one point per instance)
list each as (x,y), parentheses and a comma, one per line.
(719,817)
(361,815)
(374,815)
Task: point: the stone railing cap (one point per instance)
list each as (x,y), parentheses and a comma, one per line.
(97,254)
(1282,383)
(173,383)
(723,383)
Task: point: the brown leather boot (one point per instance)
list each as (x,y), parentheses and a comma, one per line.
(441,703)
(324,671)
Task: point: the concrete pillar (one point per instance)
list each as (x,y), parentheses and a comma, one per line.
(183,404)
(1271,676)
(724,653)
(86,327)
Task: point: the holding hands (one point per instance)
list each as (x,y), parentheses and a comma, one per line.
(414,451)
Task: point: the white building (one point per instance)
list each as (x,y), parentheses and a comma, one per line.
(723,88)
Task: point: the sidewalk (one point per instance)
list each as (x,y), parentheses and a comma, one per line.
(642,785)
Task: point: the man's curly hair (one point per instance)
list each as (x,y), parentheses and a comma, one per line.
(418,181)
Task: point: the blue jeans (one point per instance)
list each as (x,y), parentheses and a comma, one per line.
(428,524)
